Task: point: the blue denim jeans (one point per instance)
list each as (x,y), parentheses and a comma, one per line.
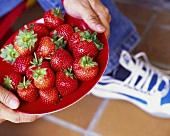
(8,5)
(123,34)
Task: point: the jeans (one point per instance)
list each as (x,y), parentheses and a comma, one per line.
(8,5)
(123,34)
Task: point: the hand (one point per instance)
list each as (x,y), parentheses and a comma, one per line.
(93,12)
(8,102)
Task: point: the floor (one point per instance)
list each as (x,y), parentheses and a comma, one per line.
(93,116)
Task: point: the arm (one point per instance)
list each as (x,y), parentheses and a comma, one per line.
(93,12)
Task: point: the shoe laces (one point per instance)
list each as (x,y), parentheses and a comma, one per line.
(146,71)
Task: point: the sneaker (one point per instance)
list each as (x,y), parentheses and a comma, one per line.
(138,82)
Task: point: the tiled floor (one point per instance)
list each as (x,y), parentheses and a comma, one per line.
(93,116)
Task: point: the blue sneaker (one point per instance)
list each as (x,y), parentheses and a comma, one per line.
(138,82)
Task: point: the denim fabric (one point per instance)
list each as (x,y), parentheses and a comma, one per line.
(123,35)
(48,4)
(8,5)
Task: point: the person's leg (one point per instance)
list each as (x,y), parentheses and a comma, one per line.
(131,78)
(123,35)
(48,4)
(7,6)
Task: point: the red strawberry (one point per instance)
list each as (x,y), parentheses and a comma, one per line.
(85,48)
(89,45)
(46,47)
(74,39)
(66,82)
(35,64)
(22,63)
(9,53)
(12,80)
(64,30)
(29,72)
(61,60)
(25,42)
(43,78)
(49,96)
(40,29)
(53,18)
(27,91)
(85,68)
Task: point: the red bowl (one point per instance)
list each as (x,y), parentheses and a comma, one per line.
(38,107)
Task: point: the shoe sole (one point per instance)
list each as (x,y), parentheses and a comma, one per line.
(148,109)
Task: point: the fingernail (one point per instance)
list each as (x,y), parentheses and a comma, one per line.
(13,104)
(100,28)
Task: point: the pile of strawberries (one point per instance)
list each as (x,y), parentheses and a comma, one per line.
(50,59)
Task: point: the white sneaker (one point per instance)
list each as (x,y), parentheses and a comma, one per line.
(144,86)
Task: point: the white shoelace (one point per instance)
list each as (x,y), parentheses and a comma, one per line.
(146,77)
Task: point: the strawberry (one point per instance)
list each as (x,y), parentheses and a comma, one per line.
(88,45)
(66,82)
(25,42)
(22,63)
(49,96)
(43,78)
(12,80)
(74,39)
(53,18)
(9,54)
(85,68)
(27,91)
(39,29)
(61,60)
(64,30)
(35,64)
(85,48)
(46,47)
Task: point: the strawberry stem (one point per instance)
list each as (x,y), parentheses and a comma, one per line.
(9,53)
(7,83)
(87,61)
(39,73)
(24,84)
(58,12)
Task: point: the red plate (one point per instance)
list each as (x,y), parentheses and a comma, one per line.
(38,107)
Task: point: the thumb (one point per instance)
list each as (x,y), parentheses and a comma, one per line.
(8,98)
(92,20)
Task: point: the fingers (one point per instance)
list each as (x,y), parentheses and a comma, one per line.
(91,18)
(103,14)
(8,98)
(93,12)
(14,116)
(2,120)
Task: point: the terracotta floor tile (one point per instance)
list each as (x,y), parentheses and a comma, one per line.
(82,112)
(140,28)
(38,128)
(121,118)
(163,18)
(156,45)
(135,12)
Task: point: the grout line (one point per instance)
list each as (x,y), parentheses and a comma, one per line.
(63,123)
(149,26)
(67,125)
(97,116)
